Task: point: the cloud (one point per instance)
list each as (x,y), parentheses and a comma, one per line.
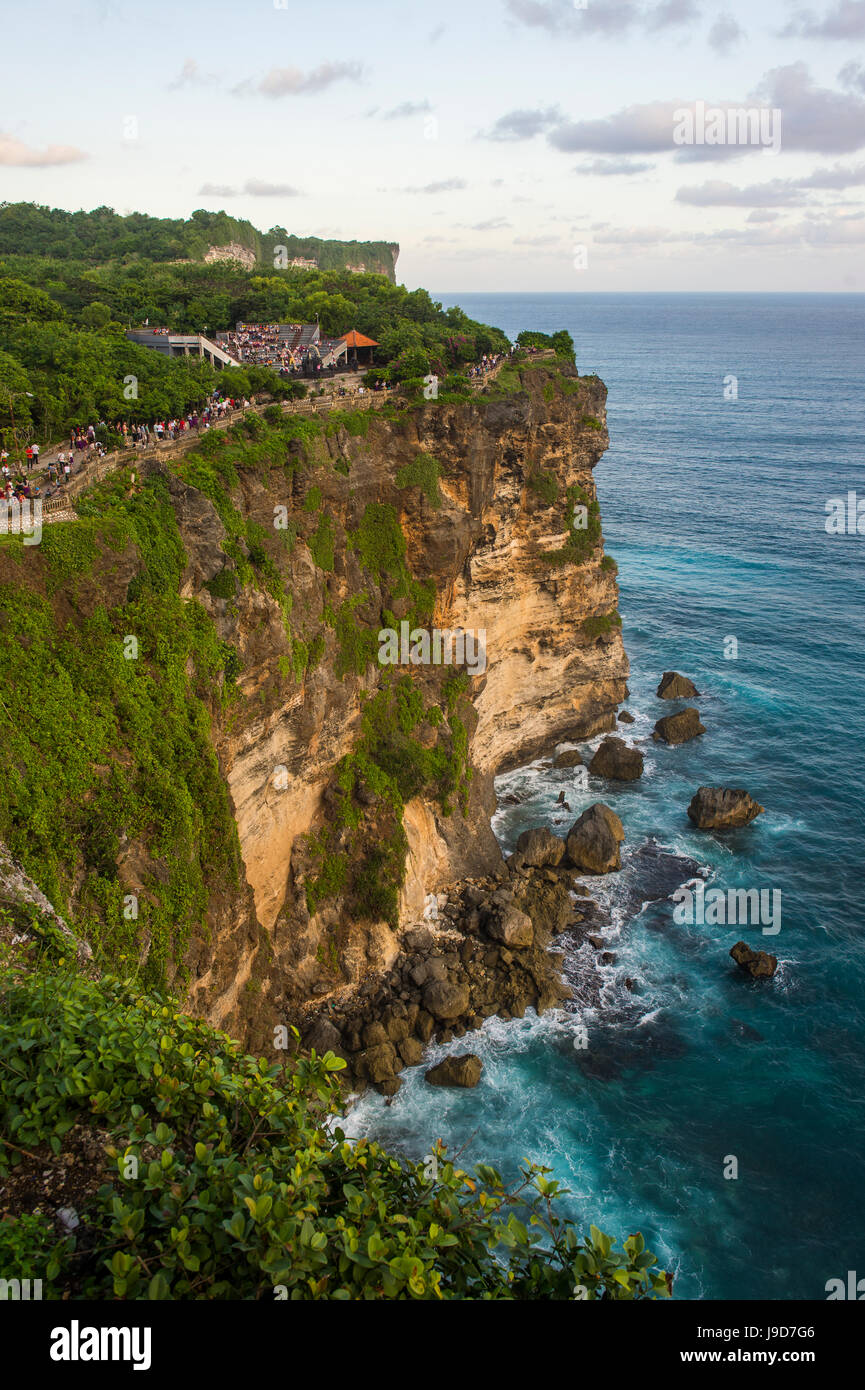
(763,215)
(725,34)
(190,75)
(492,224)
(670,14)
(524,123)
(852,75)
(285,82)
(258,188)
(606,168)
(442,186)
(845,20)
(814,118)
(777,193)
(253,188)
(437,33)
(406,108)
(15,154)
(640,129)
(604,17)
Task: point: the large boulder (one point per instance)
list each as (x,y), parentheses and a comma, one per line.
(760,965)
(444,1000)
(324,1037)
(676,687)
(463,1070)
(722,808)
(510,926)
(679,728)
(617,759)
(593,840)
(537,848)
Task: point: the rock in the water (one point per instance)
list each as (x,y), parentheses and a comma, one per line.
(536,848)
(679,728)
(721,808)
(571,757)
(676,687)
(593,840)
(444,1000)
(597,942)
(760,965)
(463,1070)
(625,717)
(618,760)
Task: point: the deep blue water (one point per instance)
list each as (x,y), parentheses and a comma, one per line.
(715,512)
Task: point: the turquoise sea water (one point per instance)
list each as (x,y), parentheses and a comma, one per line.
(715,512)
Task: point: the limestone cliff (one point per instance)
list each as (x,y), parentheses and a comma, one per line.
(489,535)
(256,807)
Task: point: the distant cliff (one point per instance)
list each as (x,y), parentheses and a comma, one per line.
(28,229)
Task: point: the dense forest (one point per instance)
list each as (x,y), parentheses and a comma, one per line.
(104,234)
(65,309)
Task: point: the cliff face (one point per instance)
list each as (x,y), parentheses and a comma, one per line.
(494,551)
(357,788)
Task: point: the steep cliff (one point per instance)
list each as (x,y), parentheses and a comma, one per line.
(356,788)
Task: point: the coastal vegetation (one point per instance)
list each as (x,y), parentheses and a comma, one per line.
(206,1174)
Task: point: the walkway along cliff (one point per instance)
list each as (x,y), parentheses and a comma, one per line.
(354,789)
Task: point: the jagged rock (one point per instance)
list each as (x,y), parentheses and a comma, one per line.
(571,757)
(512,927)
(618,760)
(444,1000)
(607,958)
(593,840)
(418,939)
(462,1070)
(679,728)
(676,687)
(722,808)
(536,848)
(374,1034)
(411,1051)
(424,1025)
(625,717)
(380,1063)
(760,965)
(597,942)
(389,1087)
(324,1038)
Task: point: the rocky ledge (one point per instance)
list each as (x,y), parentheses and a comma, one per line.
(486,953)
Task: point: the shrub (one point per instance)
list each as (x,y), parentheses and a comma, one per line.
(243,1190)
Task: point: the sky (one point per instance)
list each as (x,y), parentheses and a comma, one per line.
(521,145)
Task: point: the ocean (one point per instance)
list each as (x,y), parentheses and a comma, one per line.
(713,499)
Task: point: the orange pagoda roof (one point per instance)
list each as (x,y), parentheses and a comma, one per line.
(356,340)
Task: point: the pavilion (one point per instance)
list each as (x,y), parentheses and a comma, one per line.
(356,345)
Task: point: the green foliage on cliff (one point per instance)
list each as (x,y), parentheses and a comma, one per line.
(583,528)
(240,1188)
(601,623)
(107,745)
(424,472)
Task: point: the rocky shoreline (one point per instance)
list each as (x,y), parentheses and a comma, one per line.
(484,947)
(485,952)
